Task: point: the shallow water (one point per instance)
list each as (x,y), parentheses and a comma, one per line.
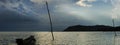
(63,38)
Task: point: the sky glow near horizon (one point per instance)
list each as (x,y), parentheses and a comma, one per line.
(67,12)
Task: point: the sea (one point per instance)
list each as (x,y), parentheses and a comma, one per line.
(63,38)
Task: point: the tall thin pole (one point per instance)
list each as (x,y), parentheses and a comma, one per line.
(113,21)
(51,26)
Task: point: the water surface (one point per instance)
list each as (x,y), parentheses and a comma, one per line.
(63,38)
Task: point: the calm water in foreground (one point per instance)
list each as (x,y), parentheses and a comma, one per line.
(63,38)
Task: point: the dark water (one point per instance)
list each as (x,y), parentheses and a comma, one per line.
(63,38)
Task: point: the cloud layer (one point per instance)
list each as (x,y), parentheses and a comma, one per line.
(64,12)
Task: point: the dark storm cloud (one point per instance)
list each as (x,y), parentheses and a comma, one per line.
(8,1)
(11,16)
(3,0)
(14,21)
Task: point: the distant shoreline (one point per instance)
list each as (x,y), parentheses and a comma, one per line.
(92,28)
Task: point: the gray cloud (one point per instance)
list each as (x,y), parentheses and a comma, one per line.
(9,4)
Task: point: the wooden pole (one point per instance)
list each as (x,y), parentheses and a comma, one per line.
(51,26)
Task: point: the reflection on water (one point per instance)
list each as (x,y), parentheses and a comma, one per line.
(63,38)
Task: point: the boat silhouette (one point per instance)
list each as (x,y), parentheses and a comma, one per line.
(28,41)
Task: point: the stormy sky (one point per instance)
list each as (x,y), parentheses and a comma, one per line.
(31,15)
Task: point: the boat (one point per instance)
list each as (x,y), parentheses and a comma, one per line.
(28,41)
